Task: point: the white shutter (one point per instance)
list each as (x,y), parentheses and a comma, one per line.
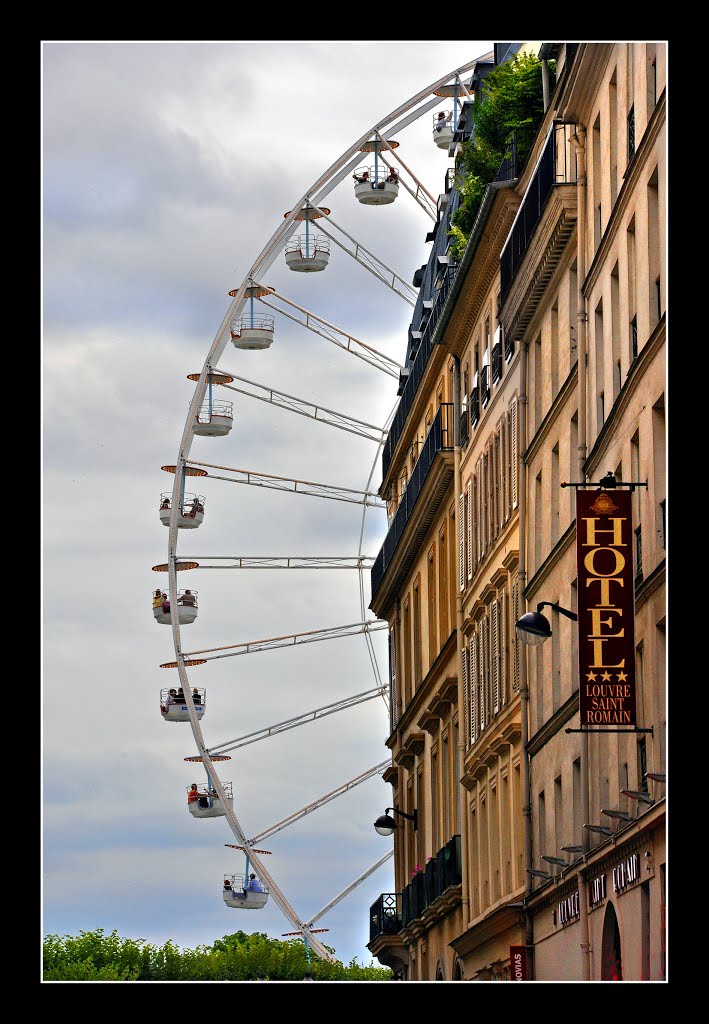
(469,526)
(461,545)
(514,450)
(494,656)
(474,531)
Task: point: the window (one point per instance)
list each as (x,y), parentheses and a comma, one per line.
(431,593)
(497,356)
(417,635)
(442,585)
(631,133)
(407,652)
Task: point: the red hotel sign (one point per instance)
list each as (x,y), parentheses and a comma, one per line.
(606,600)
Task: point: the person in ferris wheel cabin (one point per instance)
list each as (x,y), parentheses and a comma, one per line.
(253,884)
(443,119)
(192,793)
(227,884)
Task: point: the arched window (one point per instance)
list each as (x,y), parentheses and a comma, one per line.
(457,970)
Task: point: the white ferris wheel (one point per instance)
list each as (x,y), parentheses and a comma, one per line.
(306,239)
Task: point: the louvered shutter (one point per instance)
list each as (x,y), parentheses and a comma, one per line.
(394,698)
(466,695)
(495,656)
(469,526)
(484,674)
(473,686)
(504,613)
(461,543)
(514,450)
(505,469)
(515,640)
(474,533)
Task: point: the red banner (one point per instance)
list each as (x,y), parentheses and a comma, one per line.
(518,963)
(606,607)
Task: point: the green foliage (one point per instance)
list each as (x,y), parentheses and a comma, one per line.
(94,956)
(511,102)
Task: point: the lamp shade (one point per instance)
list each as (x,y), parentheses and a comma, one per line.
(385,825)
(533,628)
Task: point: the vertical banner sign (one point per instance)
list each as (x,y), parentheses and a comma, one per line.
(518,963)
(606,607)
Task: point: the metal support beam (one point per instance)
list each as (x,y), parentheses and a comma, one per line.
(291,639)
(344,788)
(353,885)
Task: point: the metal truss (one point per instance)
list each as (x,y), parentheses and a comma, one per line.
(292,723)
(286,561)
(309,808)
(292,639)
(284,483)
(309,409)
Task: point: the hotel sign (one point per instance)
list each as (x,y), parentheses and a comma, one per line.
(606,607)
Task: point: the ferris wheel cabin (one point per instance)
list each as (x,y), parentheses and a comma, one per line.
(308,252)
(190,515)
(241,898)
(252,330)
(214,419)
(443,129)
(207,804)
(186,608)
(173,707)
(376,184)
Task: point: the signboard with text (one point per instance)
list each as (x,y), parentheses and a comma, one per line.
(606,607)
(518,963)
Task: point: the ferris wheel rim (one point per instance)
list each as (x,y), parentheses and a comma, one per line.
(315,194)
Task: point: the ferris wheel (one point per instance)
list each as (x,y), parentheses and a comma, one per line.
(307,238)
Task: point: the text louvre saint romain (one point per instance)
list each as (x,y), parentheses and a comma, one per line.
(606,599)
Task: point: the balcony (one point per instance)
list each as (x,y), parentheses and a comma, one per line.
(555,173)
(417,368)
(385,915)
(438,439)
(426,887)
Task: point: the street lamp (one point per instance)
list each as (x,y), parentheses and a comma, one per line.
(385,825)
(533,628)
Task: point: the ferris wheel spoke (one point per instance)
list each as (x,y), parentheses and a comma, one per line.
(309,409)
(351,887)
(292,723)
(290,639)
(309,808)
(323,327)
(287,561)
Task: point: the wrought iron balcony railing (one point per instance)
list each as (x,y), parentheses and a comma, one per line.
(439,438)
(556,166)
(385,915)
(417,368)
(441,872)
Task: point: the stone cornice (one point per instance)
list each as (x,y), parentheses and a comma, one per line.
(560,548)
(581,86)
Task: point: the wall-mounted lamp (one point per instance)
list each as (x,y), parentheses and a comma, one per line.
(572,849)
(538,874)
(385,825)
(656,776)
(533,628)
(556,860)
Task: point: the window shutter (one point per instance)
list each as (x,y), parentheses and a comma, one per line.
(484,674)
(515,640)
(504,612)
(475,527)
(461,543)
(473,686)
(504,469)
(495,656)
(394,696)
(466,696)
(470,530)
(514,452)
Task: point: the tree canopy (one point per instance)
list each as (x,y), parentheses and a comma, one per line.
(95,956)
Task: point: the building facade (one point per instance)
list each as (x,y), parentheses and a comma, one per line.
(535,363)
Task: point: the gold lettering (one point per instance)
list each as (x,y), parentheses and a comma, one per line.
(597,622)
(619,562)
(617,532)
(605,582)
(598,654)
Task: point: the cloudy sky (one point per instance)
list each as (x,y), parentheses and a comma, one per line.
(166,169)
